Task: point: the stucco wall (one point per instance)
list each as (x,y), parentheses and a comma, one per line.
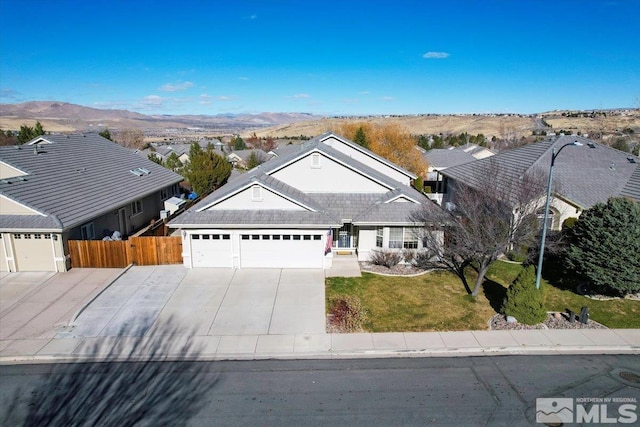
(328,177)
(245,201)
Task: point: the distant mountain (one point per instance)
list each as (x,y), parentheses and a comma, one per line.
(63,116)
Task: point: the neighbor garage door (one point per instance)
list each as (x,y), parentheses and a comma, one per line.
(211,250)
(281,250)
(33,252)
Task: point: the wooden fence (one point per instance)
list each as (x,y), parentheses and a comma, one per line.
(150,250)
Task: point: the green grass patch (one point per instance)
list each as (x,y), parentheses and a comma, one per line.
(432,302)
(437,301)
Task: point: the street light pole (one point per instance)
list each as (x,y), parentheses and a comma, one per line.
(554,154)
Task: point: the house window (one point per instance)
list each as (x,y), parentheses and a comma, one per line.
(226,236)
(164,194)
(315,161)
(549,219)
(37,236)
(379,232)
(307,237)
(402,238)
(87,231)
(317,237)
(256,193)
(296,237)
(395,238)
(245,237)
(47,236)
(195,236)
(136,207)
(276,237)
(27,236)
(17,236)
(410,240)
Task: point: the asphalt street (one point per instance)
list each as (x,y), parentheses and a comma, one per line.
(471,391)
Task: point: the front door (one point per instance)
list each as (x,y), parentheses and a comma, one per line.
(346,236)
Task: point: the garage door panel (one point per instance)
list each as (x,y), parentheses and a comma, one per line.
(281,251)
(33,252)
(211,250)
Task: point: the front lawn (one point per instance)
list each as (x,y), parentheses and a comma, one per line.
(437,301)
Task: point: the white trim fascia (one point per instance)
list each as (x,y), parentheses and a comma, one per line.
(403,196)
(22,173)
(568,201)
(249,185)
(368,153)
(23,205)
(388,223)
(255,226)
(39,140)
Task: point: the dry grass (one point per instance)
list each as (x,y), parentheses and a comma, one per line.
(487,125)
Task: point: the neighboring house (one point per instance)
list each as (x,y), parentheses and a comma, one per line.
(294,211)
(442,158)
(69,187)
(582,176)
(163,151)
(240,158)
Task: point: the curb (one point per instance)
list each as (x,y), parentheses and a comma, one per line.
(373,354)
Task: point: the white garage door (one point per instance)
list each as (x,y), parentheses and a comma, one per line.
(33,252)
(281,250)
(211,250)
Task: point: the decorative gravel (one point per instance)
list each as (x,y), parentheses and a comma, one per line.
(554,321)
(396,270)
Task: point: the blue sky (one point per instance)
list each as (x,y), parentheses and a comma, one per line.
(324,57)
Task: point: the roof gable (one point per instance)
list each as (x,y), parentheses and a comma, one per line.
(319,172)
(257,196)
(367,157)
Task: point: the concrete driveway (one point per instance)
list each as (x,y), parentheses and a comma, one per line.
(206,301)
(35,305)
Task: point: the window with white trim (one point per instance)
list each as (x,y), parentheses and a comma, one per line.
(87,231)
(402,238)
(395,237)
(379,235)
(136,207)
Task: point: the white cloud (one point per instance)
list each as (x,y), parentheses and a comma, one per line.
(205,99)
(9,94)
(300,96)
(364,92)
(152,100)
(171,87)
(226,98)
(436,55)
(387,98)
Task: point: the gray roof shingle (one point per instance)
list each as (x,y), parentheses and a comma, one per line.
(330,208)
(582,175)
(77,178)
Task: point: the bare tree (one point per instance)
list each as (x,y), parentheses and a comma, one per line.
(131,138)
(486,219)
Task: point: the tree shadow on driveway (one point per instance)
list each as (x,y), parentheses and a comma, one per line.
(134,381)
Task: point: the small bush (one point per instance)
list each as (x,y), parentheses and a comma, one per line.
(569,223)
(409,255)
(423,259)
(386,258)
(347,312)
(516,256)
(523,301)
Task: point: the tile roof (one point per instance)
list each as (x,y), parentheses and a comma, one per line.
(76,178)
(330,208)
(440,158)
(582,175)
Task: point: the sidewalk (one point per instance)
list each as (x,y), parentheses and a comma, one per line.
(327,346)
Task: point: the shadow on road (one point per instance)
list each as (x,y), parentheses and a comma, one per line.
(129,381)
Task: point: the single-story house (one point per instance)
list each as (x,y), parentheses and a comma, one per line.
(240,158)
(297,209)
(582,175)
(73,187)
